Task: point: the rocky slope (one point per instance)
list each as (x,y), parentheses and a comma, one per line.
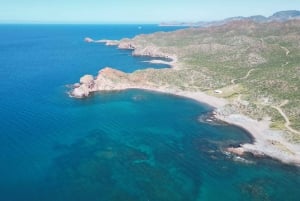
(254,65)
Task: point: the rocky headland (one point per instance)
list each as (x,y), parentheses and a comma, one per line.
(195,80)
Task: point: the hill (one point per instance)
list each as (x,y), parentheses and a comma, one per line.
(259,61)
(246,68)
(280,16)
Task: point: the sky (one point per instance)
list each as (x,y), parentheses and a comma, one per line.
(135,11)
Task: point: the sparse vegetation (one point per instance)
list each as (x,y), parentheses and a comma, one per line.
(210,58)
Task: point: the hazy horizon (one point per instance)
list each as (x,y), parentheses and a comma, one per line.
(133,12)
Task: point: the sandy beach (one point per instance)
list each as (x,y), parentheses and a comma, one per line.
(268,142)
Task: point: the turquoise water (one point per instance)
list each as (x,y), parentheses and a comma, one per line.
(130,145)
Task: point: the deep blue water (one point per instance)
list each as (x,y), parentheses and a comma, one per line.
(130,145)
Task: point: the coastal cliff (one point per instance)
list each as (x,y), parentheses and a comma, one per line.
(231,67)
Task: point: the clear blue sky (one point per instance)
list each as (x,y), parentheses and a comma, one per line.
(135,11)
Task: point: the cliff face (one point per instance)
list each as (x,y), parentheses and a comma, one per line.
(244,53)
(107,79)
(256,66)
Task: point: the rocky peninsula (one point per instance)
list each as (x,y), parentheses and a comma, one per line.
(225,67)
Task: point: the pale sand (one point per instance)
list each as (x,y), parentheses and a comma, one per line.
(159,62)
(267,141)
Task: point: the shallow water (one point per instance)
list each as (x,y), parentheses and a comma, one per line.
(130,145)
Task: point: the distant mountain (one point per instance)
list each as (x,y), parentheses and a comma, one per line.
(285,15)
(278,16)
(254,18)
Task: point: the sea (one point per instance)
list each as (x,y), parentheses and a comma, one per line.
(131,145)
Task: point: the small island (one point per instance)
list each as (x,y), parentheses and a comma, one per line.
(248,71)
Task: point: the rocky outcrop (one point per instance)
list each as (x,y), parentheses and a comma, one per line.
(138,50)
(108,42)
(126,44)
(108,79)
(85,87)
(86,79)
(88,40)
(150,51)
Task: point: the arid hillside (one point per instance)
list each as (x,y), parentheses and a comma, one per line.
(255,65)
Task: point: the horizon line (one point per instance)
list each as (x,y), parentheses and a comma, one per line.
(72,22)
(11,21)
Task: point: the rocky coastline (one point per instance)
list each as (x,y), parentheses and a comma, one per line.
(267,142)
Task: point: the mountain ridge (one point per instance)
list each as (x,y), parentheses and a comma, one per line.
(280,16)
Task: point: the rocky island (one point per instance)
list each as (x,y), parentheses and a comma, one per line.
(248,71)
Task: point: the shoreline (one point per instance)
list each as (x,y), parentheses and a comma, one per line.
(264,138)
(267,142)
